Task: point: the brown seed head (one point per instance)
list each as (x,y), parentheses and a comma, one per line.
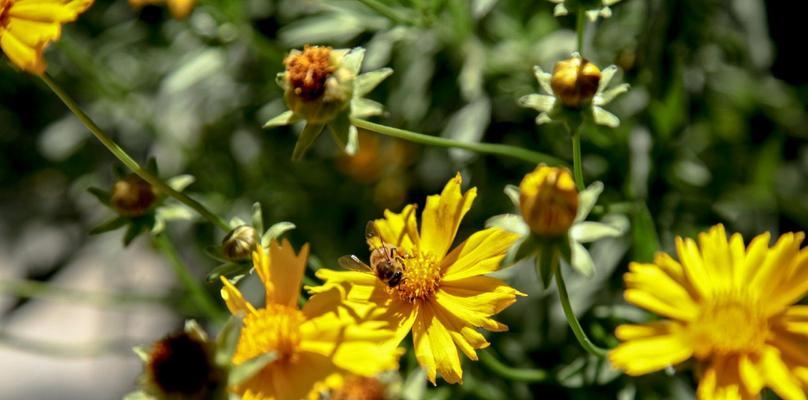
(179,365)
(308,71)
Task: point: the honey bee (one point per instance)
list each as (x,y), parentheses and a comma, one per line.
(386,260)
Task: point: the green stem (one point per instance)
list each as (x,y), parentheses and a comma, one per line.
(580,29)
(488,358)
(483,148)
(198,294)
(576,161)
(42,290)
(130,163)
(94,349)
(573,322)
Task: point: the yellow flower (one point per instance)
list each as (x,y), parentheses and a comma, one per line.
(443,296)
(179,8)
(729,307)
(313,344)
(28,26)
(548,200)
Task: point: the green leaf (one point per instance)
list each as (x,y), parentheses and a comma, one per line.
(588,231)
(522,249)
(644,235)
(227,270)
(546,259)
(193,328)
(138,395)
(344,133)
(227,340)
(110,225)
(353,59)
(141,353)
(512,192)
(509,222)
(246,370)
(285,118)
(275,231)
(366,82)
(132,232)
(363,108)
(101,195)
(581,261)
(180,182)
(587,200)
(538,102)
(306,139)
(257,217)
(236,222)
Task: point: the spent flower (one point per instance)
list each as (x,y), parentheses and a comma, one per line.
(734,309)
(323,87)
(576,89)
(28,26)
(443,296)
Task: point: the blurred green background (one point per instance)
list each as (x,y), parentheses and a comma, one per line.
(713,130)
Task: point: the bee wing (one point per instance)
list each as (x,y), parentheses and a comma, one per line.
(372,235)
(353,263)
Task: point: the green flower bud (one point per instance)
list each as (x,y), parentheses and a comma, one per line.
(239,244)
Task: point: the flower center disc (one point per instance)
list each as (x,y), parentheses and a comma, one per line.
(422,277)
(729,327)
(275,328)
(308,71)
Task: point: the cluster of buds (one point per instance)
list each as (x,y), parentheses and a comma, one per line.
(323,87)
(592,8)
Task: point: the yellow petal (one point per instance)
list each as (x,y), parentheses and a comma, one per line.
(290,384)
(26,58)
(652,349)
(774,268)
(750,375)
(722,381)
(42,12)
(779,377)
(476,299)
(480,254)
(34,33)
(717,258)
(286,271)
(694,269)
(234,299)
(794,287)
(434,348)
(400,230)
(650,287)
(442,215)
(463,334)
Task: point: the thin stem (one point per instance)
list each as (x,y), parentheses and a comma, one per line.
(42,290)
(52,349)
(198,294)
(514,374)
(573,322)
(483,148)
(130,163)
(576,161)
(580,29)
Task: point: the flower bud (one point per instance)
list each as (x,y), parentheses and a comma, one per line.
(181,366)
(316,85)
(548,200)
(132,196)
(575,81)
(239,244)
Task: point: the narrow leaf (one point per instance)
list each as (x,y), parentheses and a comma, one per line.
(306,139)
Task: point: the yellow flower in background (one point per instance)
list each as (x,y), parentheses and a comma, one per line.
(179,8)
(444,295)
(731,308)
(313,345)
(28,26)
(548,200)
